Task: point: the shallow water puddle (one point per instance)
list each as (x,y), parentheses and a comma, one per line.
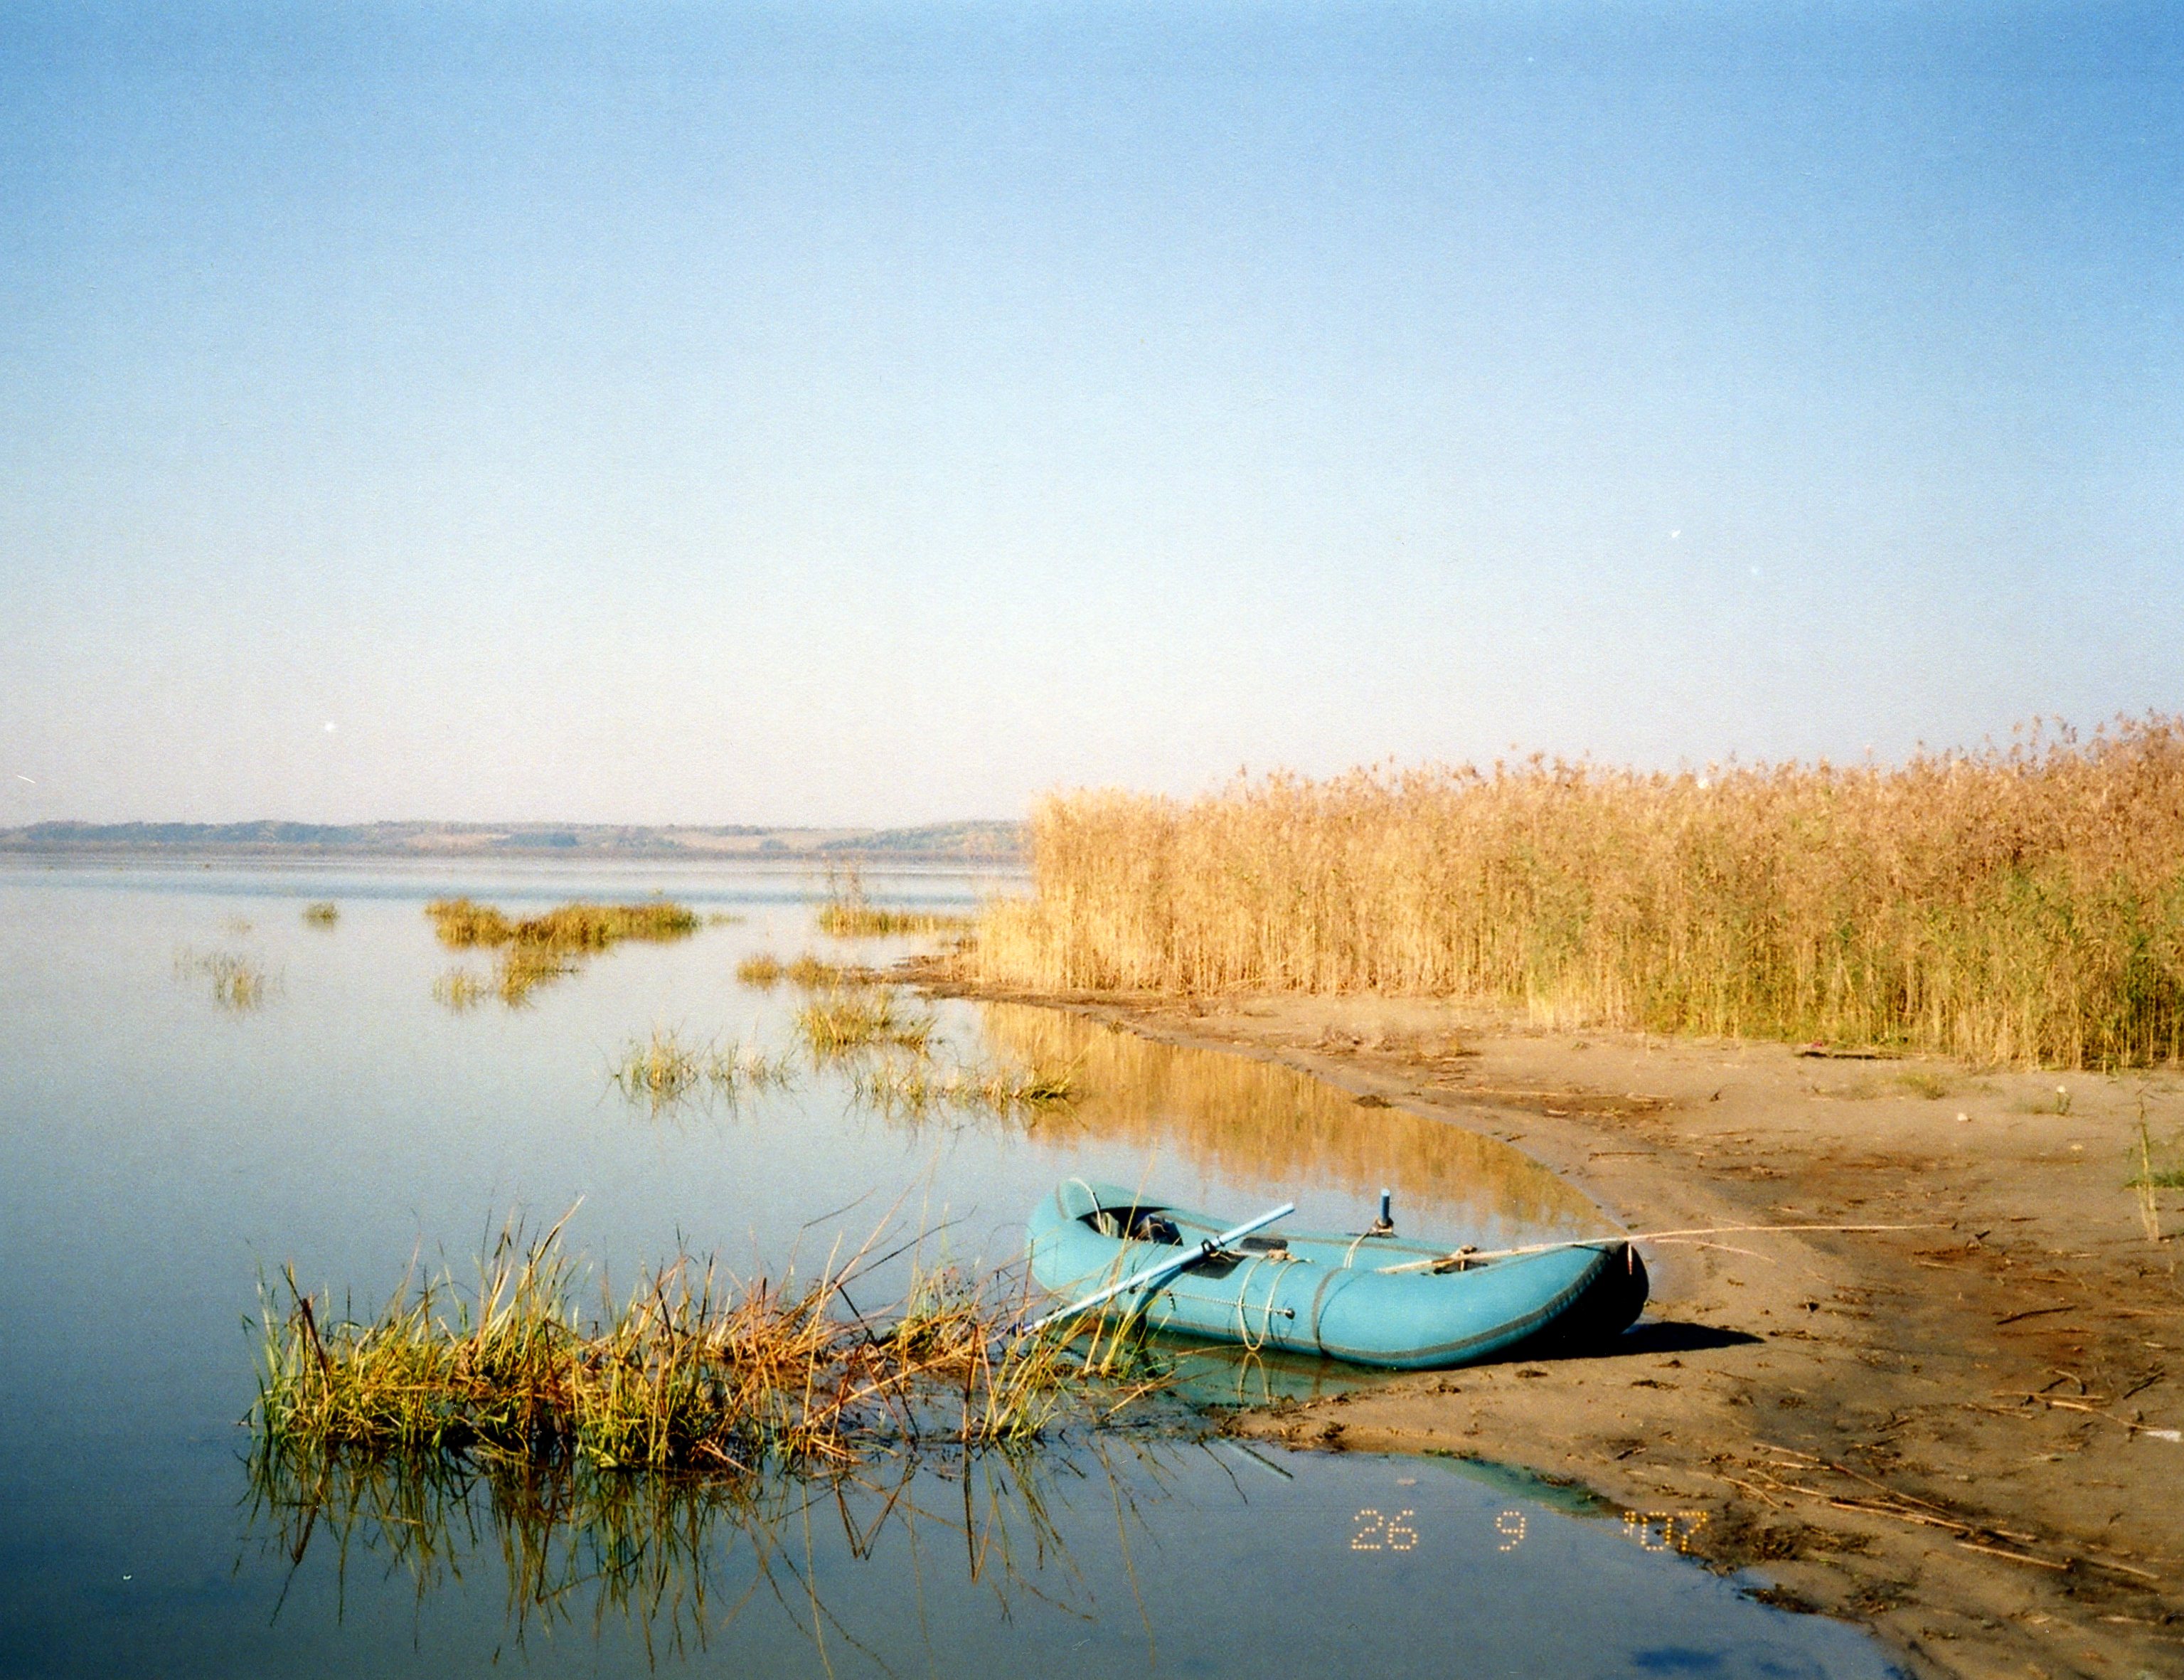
(160,1145)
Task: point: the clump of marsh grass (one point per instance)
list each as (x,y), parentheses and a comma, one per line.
(323,914)
(531,951)
(660,1069)
(739,1068)
(848,913)
(2020,905)
(576,926)
(518,970)
(664,1068)
(460,989)
(807,973)
(461,924)
(239,982)
(871,921)
(919,1086)
(837,1024)
(691,1372)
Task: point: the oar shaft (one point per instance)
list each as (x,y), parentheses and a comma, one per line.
(1152,1276)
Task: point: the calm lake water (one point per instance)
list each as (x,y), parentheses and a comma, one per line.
(160,1149)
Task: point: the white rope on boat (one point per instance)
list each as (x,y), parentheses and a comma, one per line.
(1459,1257)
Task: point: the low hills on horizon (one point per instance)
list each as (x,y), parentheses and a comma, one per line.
(982,842)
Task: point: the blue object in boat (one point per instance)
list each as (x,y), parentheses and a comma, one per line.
(1331,1294)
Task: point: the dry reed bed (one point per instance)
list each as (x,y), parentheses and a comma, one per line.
(2022,906)
(691,1372)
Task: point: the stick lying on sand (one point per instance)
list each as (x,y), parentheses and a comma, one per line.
(1473,1257)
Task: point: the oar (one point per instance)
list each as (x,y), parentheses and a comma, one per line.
(1152,1276)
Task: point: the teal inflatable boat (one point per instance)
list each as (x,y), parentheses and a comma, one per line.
(1372,1298)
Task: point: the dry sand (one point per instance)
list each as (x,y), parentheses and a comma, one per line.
(1963,1433)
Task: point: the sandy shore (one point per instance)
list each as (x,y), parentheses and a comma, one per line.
(1963,1433)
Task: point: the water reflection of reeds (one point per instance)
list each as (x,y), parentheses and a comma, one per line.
(1239,1119)
(679,1560)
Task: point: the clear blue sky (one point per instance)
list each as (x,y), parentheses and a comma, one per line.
(879,414)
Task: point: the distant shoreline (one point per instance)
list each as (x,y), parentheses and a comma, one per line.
(984,842)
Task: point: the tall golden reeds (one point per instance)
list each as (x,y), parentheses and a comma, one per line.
(2022,905)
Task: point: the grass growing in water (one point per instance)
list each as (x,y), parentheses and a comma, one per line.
(848,913)
(2021,906)
(520,969)
(807,973)
(693,1372)
(869,921)
(919,1086)
(838,1023)
(323,914)
(663,1068)
(460,988)
(660,1069)
(531,951)
(810,973)
(576,926)
(238,983)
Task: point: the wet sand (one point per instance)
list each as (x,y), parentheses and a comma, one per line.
(1954,1432)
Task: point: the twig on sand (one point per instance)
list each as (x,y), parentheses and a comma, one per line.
(2016,1557)
(2157,1433)
(2036,1312)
